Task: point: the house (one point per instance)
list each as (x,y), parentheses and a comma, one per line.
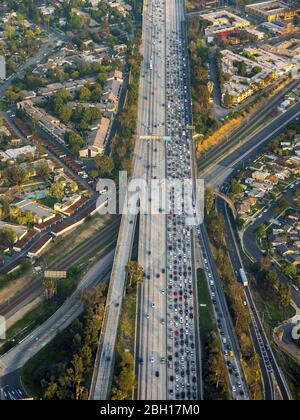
(13,154)
(250,201)
(282,250)
(97,139)
(116,75)
(295,259)
(278,240)
(19,230)
(260,175)
(66,204)
(272,180)
(41,213)
(112,91)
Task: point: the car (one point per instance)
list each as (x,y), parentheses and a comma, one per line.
(152,359)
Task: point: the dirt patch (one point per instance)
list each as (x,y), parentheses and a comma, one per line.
(67,243)
(14,286)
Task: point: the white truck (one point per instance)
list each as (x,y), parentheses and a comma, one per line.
(243,277)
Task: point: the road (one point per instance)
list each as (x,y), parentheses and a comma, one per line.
(271,373)
(227,162)
(147,151)
(12,361)
(47,47)
(152,234)
(162,96)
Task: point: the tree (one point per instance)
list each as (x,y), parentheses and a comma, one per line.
(134,272)
(93,173)
(75,141)
(16,175)
(282,204)
(57,190)
(260,231)
(74,186)
(227,100)
(105,164)
(7,237)
(85,93)
(265,263)
(289,270)
(75,376)
(51,389)
(270,282)
(5,204)
(43,170)
(125,381)
(65,114)
(50,288)
(284,295)
(209,200)
(236,187)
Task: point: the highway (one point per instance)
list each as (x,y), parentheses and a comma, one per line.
(151,356)
(104,364)
(162,110)
(271,372)
(13,360)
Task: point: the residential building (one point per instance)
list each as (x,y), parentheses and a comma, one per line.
(271,10)
(41,213)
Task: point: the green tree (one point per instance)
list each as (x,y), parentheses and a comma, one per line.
(260,231)
(85,93)
(284,295)
(43,170)
(16,175)
(227,100)
(7,237)
(236,187)
(105,164)
(75,141)
(289,270)
(134,272)
(57,190)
